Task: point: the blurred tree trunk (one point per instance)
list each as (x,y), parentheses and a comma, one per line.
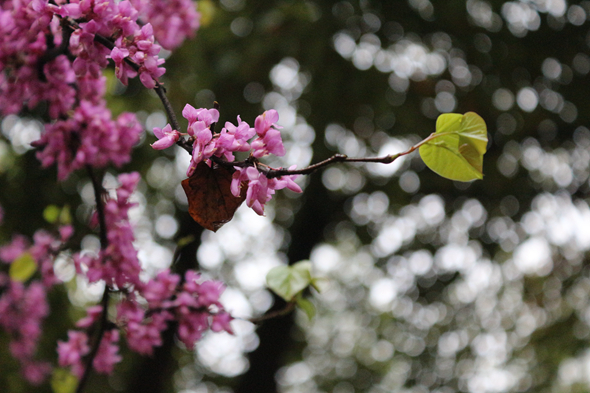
(275,340)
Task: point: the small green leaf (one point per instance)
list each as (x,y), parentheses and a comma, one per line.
(288,281)
(51,214)
(185,241)
(317,282)
(65,217)
(55,215)
(62,381)
(207,11)
(456,149)
(22,268)
(307,307)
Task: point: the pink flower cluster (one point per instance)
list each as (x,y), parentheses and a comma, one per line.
(24,306)
(55,52)
(117,265)
(142,51)
(116,20)
(260,188)
(195,306)
(71,353)
(233,139)
(173,20)
(88,137)
(22,309)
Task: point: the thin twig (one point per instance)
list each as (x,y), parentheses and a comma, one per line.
(278,172)
(102,327)
(159,88)
(279,313)
(103,322)
(99,191)
(52,52)
(266,170)
(272,173)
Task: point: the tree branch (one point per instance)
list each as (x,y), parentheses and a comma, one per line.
(102,327)
(103,322)
(290,306)
(265,169)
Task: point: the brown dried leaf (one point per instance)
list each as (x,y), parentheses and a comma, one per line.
(210,201)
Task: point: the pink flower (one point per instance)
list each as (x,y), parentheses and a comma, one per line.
(269,139)
(107,355)
(22,310)
(191,327)
(208,293)
(234,138)
(221,322)
(199,123)
(14,249)
(142,337)
(89,137)
(71,352)
(199,119)
(287,182)
(36,372)
(173,20)
(260,188)
(65,232)
(118,264)
(160,289)
(92,315)
(123,71)
(166,137)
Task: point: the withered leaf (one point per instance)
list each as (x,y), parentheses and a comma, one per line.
(210,201)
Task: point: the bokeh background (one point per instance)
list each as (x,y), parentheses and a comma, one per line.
(430,285)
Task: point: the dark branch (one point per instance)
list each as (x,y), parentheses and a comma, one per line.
(159,88)
(52,52)
(103,322)
(266,170)
(99,191)
(279,313)
(102,328)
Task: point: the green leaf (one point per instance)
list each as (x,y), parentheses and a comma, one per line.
(288,281)
(22,268)
(185,241)
(51,214)
(55,215)
(456,149)
(62,381)
(65,216)
(317,282)
(307,307)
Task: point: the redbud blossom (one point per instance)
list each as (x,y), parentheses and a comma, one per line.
(166,137)
(173,20)
(107,355)
(118,264)
(269,137)
(71,352)
(260,188)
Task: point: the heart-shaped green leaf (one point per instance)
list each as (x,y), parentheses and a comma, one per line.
(62,381)
(288,281)
(456,149)
(22,268)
